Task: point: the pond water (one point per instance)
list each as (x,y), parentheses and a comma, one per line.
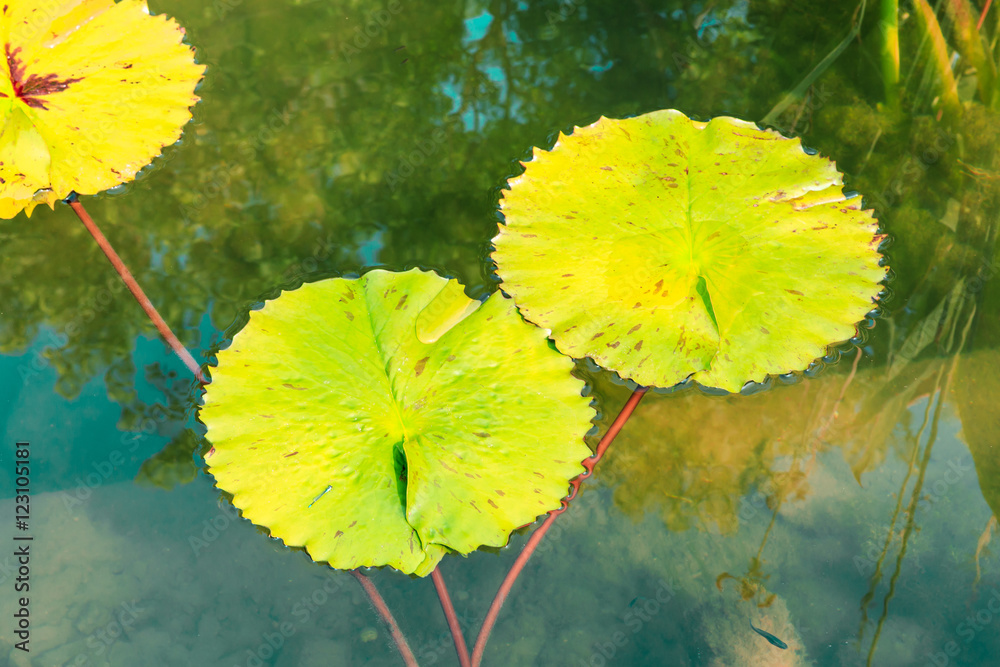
(850,513)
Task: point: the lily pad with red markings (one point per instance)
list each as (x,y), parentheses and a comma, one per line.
(665,248)
(91,92)
(390,419)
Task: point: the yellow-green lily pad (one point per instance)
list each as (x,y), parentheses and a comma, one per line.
(665,248)
(390,419)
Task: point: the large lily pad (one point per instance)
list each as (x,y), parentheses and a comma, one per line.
(664,248)
(389,419)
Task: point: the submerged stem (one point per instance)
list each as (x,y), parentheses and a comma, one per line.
(383,610)
(449,613)
(536,537)
(134,288)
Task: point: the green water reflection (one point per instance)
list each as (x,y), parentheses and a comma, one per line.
(850,514)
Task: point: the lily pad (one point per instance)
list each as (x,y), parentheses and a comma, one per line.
(389,419)
(665,248)
(91,92)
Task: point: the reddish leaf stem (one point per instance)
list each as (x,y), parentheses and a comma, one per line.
(383,610)
(982,17)
(134,288)
(536,537)
(449,613)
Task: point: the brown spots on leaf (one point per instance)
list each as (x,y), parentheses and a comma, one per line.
(658,286)
(419,368)
(339,533)
(795,292)
(291,386)
(597,335)
(500,493)
(473,503)
(764,331)
(292,454)
(353,524)
(607,169)
(481,434)
(529,236)
(635,328)
(638,346)
(567,275)
(402,302)
(614,344)
(538,474)
(349,315)
(268,416)
(492,504)
(470,475)
(638,304)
